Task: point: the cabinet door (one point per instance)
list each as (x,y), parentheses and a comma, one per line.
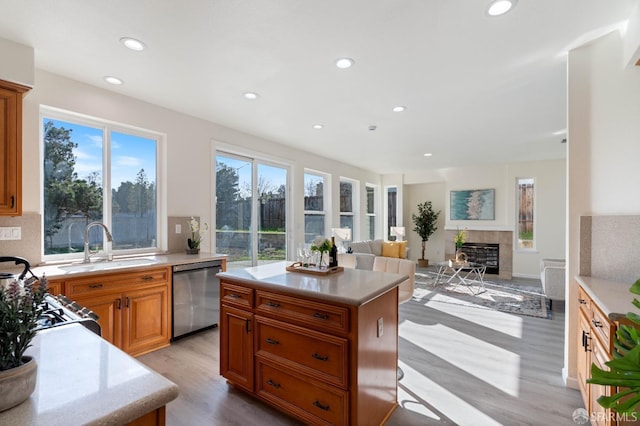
(584,356)
(11,148)
(109,310)
(146,320)
(600,415)
(236,346)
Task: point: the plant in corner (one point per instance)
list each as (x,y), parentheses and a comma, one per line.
(197,233)
(425,225)
(624,368)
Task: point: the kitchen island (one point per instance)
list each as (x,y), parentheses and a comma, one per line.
(84,380)
(323,348)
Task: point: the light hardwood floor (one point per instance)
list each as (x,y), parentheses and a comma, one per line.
(461,365)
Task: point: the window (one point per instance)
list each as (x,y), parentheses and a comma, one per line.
(392,208)
(370,226)
(526,196)
(314,213)
(98,171)
(348,199)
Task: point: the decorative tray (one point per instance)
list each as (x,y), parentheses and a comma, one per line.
(311,269)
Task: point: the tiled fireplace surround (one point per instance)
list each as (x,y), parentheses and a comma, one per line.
(503,238)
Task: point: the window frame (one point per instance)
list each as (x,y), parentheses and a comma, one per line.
(325,200)
(107,127)
(355,205)
(374,214)
(517,245)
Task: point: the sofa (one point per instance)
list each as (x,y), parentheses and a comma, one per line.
(395,249)
(392,265)
(553,276)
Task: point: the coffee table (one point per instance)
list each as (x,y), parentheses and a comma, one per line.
(469,274)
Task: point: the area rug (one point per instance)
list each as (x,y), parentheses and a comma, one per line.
(504,296)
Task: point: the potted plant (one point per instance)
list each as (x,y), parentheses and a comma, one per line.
(322,245)
(197,233)
(20,310)
(425,225)
(624,368)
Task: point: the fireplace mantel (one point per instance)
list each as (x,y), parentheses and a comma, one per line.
(503,238)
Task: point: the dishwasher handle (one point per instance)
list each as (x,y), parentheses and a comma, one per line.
(197,265)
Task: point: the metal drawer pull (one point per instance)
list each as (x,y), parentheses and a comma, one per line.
(596,323)
(13,201)
(273,304)
(147,278)
(272,383)
(271,341)
(320,406)
(119,303)
(321,316)
(320,357)
(233,296)
(126,304)
(95,285)
(582,301)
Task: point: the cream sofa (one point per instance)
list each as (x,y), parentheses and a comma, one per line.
(383,264)
(552,275)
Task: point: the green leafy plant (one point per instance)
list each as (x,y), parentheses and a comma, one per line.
(425,222)
(624,368)
(20,309)
(197,233)
(460,238)
(321,244)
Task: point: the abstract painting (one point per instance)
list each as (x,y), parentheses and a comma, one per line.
(474,204)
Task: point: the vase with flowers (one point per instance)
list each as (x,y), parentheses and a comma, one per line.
(20,311)
(196,232)
(459,240)
(321,245)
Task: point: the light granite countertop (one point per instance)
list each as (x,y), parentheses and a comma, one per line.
(612,297)
(84,380)
(351,287)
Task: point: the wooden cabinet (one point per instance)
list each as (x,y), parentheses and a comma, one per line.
(133,306)
(595,343)
(11,148)
(322,362)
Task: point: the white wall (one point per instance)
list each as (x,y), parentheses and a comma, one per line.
(603,129)
(550,199)
(19,68)
(190,142)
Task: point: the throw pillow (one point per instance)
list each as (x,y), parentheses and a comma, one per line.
(402,250)
(376,247)
(390,249)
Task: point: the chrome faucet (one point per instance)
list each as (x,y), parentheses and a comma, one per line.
(87,252)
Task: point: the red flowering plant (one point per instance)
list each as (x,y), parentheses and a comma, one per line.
(20,310)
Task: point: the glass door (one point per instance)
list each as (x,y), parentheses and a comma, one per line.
(251,211)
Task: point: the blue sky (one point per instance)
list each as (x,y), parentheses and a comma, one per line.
(129,153)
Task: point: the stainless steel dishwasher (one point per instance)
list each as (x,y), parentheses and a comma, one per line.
(196,297)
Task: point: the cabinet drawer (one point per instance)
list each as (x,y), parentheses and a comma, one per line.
(115,282)
(316,354)
(584,301)
(314,402)
(319,316)
(241,297)
(603,328)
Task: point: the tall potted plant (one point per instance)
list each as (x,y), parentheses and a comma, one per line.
(425,225)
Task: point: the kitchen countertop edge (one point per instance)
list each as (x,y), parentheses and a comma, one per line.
(612,297)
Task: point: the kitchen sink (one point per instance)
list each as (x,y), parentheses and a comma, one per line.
(104,265)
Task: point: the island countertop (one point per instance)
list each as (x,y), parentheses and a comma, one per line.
(350,287)
(84,380)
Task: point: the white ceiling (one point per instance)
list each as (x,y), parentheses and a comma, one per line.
(477,89)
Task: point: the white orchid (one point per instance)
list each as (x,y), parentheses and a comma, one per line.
(197,233)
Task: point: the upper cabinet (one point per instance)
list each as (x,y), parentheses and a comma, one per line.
(11,148)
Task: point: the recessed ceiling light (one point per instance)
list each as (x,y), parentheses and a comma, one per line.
(133,44)
(113,80)
(500,7)
(344,63)
(318,126)
(399,108)
(427,154)
(250,95)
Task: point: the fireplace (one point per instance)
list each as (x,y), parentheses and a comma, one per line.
(487,254)
(504,240)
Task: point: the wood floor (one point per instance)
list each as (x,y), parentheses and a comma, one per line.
(461,365)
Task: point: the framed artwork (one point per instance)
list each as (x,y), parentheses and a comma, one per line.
(473,204)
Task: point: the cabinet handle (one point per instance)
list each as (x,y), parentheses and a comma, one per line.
(271,341)
(321,316)
(596,323)
(317,403)
(585,341)
(582,301)
(147,278)
(246,325)
(126,303)
(320,357)
(233,296)
(273,304)
(119,303)
(272,383)
(99,285)
(13,201)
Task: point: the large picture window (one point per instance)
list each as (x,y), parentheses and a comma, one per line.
(370,226)
(95,171)
(348,204)
(314,205)
(526,222)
